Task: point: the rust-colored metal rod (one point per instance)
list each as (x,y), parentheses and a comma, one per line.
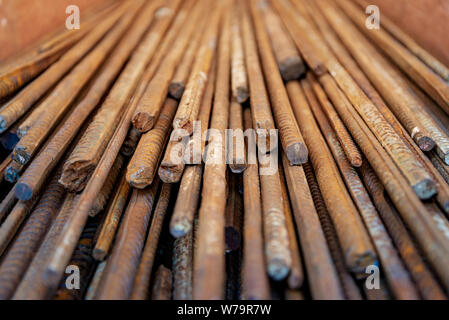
(183,267)
(233,214)
(88,151)
(236,143)
(152,101)
(191,99)
(95,282)
(239,78)
(352,234)
(409,64)
(181,75)
(295,278)
(260,104)
(118,278)
(255,283)
(290,134)
(143,275)
(7,203)
(32,285)
(59,101)
(209,263)
(187,201)
(425,280)
(162,287)
(350,148)
(4,165)
(397,276)
(287,56)
(111,223)
(142,167)
(23,101)
(348,284)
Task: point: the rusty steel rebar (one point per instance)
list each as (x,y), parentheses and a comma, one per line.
(95,282)
(290,134)
(356,244)
(255,283)
(190,103)
(296,276)
(209,263)
(263,121)
(23,101)
(287,56)
(118,278)
(142,279)
(236,152)
(153,99)
(348,284)
(239,78)
(111,222)
(181,75)
(142,167)
(87,153)
(183,267)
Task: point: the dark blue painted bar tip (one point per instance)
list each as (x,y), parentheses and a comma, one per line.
(11,175)
(23,191)
(3,125)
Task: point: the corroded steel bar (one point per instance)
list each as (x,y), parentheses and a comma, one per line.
(7,204)
(425,280)
(187,201)
(12,172)
(103,196)
(287,56)
(143,165)
(23,101)
(4,165)
(350,148)
(290,134)
(237,158)
(348,285)
(259,101)
(59,101)
(162,287)
(153,99)
(356,244)
(118,278)
(385,79)
(111,222)
(409,64)
(181,75)
(233,214)
(239,78)
(143,275)
(183,267)
(209,263)
(86,155)
(295,278)
(32,285)
(255,283)
(191,99)
(398,277)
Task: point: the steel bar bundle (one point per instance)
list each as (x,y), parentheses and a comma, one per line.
(228,149)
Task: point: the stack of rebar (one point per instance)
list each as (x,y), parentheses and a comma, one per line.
(196,149)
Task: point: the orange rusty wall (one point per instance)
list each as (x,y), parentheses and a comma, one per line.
(427,21)
(24,22)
